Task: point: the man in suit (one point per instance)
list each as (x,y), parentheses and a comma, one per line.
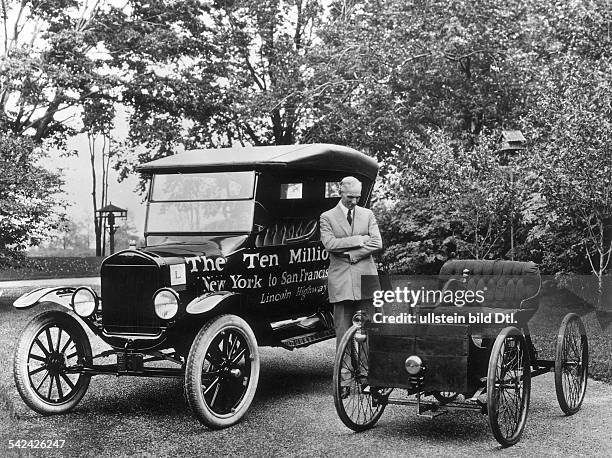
(350,234)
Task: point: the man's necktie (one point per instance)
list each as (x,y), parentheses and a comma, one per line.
(349,218)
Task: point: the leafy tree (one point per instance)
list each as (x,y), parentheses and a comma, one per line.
(70,239)
(49,74)
(395,71)
(27,196)
(47,68)
(163,56)
(418,235)
(99,145)
(396,67)
(445,200)
(419,85)
(211,73)
(266,50)
(573,164)
(98,116)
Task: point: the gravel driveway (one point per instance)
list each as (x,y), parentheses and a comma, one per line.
(293,414)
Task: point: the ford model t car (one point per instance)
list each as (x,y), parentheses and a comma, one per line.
(451,354)
(232,261)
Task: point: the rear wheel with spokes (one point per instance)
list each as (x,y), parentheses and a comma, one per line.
(52,349)
(508,386)
(571,364)
(358,405)
(222,371)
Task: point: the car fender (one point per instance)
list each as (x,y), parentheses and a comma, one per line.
(59,295)
(211,301)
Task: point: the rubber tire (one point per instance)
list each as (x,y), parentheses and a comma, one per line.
(341,411)
(22,351)
(559,365)
(491,379)
(444,399)
(195,362)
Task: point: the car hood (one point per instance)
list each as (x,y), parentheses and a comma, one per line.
(210,247)
(172,253)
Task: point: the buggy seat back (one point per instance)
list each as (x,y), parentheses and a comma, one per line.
(505,284)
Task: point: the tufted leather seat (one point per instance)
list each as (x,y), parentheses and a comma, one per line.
(283,231)
(506,284)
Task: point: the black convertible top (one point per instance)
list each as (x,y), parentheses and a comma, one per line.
(319,156)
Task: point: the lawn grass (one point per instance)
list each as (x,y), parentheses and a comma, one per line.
(544,327)
(52,267)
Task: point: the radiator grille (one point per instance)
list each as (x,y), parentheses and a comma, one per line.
(127,293)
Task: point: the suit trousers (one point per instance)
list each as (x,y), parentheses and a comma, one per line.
(343,315)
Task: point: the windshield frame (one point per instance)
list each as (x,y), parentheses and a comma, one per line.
(179,233)
(249,197)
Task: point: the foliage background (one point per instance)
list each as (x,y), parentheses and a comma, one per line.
(424,86)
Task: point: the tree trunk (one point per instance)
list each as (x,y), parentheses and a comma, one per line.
(476,240)
(103,237)
(97,228)
(97,236)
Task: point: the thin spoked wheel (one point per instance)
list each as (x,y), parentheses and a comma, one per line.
(358,405)
(222,371)
(508,386)
(571,364)
(51,351)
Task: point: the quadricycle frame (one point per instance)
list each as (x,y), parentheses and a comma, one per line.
(445,358)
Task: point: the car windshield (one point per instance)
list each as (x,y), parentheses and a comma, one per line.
(202,202)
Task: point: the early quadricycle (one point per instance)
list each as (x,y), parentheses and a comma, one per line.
(232,261)
(455,355)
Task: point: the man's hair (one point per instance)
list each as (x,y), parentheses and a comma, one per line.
(349,181)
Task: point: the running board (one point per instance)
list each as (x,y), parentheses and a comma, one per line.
(308,339)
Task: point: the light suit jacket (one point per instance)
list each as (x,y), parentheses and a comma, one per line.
(344,277)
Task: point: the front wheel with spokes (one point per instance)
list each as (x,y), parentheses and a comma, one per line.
(571,364)
(508,386)
(52,349)
(222,371)
(358,405)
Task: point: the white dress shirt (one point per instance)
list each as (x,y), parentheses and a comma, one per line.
(346,210)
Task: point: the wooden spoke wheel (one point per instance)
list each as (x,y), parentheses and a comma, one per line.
(222,371)
(52,348)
